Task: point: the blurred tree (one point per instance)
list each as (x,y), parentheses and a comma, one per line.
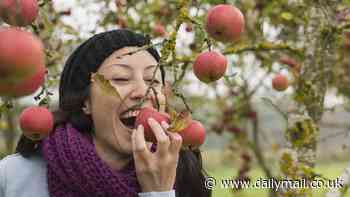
(307,40)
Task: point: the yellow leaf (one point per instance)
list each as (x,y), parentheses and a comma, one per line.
(105,85)
(182,120)
(173,115)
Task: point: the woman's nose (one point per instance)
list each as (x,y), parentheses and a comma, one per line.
(140,90)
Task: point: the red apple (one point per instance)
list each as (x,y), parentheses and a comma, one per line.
(280,82)
(25,87)
(22,55)
(19,12)
(290,62)
(209,66)
(224,23)
(189,27)
(234,130)
(193,134)
(36,122)
(252,115)
(142,118)
(159,30)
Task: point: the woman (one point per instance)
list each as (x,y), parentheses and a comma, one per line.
(94,149)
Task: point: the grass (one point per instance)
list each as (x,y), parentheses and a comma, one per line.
(329,170)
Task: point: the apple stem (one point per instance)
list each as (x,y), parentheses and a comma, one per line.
(176,93)
(208,41)
(155,98)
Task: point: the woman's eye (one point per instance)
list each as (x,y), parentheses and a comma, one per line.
(154,81)
(120,79)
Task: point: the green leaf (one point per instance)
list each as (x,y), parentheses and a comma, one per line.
(44,101)
(2,109)
(287,16)
(105,85)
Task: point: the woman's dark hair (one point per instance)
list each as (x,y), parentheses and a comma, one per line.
(74,90)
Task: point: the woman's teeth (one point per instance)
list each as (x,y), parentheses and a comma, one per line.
(130,114)
(128,119)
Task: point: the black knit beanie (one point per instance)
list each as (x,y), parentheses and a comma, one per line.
(86,59)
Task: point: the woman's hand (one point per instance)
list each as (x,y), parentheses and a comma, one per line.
(156,171)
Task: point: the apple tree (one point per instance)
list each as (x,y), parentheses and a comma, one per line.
(236,49)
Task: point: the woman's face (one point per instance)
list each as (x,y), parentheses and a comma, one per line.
(131,76)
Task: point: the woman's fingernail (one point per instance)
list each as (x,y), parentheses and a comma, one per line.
(165,124)
(150,119)
(140,126)
(177,136)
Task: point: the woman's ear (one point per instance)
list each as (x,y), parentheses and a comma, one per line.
(87,107)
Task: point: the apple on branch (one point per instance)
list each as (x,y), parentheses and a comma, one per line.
(22,62)
(26,87)
(193,134)
(209,66)
(224,23)
(280,82)
(19,12)
(292,63)
(159,30)
(36,122)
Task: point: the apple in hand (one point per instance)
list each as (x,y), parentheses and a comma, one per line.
(36,122)
(191,131)
(142,118)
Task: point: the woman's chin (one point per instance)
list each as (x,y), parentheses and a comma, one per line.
(120,124)
(124,137)
(126,129)
(127,132)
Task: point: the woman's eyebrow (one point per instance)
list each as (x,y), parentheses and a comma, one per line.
(122,66)
(129,67)
(150,66)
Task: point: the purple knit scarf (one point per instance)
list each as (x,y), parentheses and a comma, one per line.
(75,170)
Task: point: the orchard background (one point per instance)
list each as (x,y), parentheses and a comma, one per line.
(253,130)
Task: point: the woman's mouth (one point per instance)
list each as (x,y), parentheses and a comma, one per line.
(129,122)
(128,118)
